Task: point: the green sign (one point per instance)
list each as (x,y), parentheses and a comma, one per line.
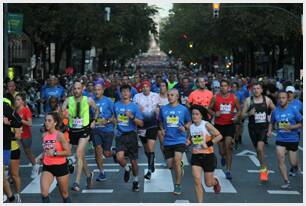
(15,23)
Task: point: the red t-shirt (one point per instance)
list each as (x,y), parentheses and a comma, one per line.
(26,114)
(226,106)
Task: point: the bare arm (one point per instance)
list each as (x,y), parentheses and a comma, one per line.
(92,103)
(65,104)
(237,106)
(67,150)
(245,108)
(211,106)
(216,135)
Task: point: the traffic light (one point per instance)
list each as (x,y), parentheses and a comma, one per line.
(216,8)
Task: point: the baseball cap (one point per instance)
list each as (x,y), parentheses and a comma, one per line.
(146,82)
(290,89)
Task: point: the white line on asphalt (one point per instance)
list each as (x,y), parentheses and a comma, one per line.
(98,191)
(246,153)
(107,164)
(226,185)
(161,181)
(106,170)
(185,159)
(181,201)
(282,192)
(34,186)
(4,198)
(257,171)
(301,148)
(254,160)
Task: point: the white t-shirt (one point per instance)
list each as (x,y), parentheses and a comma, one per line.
(163,101)
(198,134)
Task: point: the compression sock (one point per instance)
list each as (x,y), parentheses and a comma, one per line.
(45,199)
(67,200)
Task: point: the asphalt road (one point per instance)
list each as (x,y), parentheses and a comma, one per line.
(245,186)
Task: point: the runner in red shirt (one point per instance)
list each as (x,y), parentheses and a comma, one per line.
(26,135)
(222,107)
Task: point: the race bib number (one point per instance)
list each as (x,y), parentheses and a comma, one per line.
(77,123)
(142,132)
(225,108)
(49,144)
(99,122)
(172,121)
(197,139)
(123,120)
(260,117)
(283,125)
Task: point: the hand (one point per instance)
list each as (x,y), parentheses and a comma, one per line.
(287,127)
(6,121)
(49,152)
(269,134)
(141,108)
(93,124)
(204,145)
(182,129)
(252,112)
(217,114)
(129,114)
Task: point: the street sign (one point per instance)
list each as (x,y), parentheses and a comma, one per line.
(52,53)
(15,23)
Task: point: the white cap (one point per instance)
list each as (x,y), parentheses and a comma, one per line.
(290,89)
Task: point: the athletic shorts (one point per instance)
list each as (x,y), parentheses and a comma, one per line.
(105,139)
(258,133)
(226,130)
(6,157)
(208,162)
(15,154)
(76,134)
(128,143)
(57,170)
(169,150)
(150,134)
(26,142)
(290,146)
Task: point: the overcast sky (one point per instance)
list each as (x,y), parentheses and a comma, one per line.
(165,6)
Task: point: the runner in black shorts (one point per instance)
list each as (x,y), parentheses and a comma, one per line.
(14,165)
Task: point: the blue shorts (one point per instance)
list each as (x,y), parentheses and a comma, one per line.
(6,157)
(105,139)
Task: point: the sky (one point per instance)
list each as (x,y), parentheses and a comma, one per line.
(165,6)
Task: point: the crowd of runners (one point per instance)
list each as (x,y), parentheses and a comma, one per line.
(186,111)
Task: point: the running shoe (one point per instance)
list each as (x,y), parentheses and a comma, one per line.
(148,175)
(75,187)
(35,171)
(182,168)
(217,187)
(286,185)
(89,180)
(264,174)
(223,161)
(127,175)
(228,175)
(177,189)
(17,198)
(101,177)
(135,186)
(293,171)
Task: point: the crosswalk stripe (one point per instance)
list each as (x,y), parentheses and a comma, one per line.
(257,171)
(254,160)
(181,201)
(184,159)
(161,181)
(283,192)
(106,170)
(226,185)
(94,164)
(34,186)
(98,191)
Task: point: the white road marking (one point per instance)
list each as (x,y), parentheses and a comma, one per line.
(301,148)
(106,170)
(246,153)
(161,181)
(4,198)
(282,192)
(34,186)
(226,185)
(257,171)
(181,201)
(107,164)
(98,191)
(254,160)
(184,158)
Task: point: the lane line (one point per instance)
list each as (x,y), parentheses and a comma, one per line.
(282,192)
(98,191)
(226,185)
(257,171)
(106,170)
(94,164)
(254,160)
(184,158)
(301,148)
(161,181)
(181,201)
(34,186)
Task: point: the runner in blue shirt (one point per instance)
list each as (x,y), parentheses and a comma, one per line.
(103,132)
(296,103)
(287,120)
(175,119)
(128,117)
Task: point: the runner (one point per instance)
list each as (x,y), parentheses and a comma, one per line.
(202,137)
(103,132)
(79,130)
(256,108)
(288,120)
(175,120)
(148,103)
(26,135)
(222,107)
(200,96)
(184,89)
(56,150)
(128,117)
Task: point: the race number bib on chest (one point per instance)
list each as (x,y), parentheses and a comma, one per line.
(172,121)
(260,117)
(99,122)
(225,108)
(197,139)
(77,123)
(123,120)
(49,144)
(283,125)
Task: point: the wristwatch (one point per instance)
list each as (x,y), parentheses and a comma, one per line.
(54,153)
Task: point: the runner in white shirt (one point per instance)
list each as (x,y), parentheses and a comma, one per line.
(149,106)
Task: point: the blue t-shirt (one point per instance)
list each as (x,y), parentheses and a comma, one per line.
(297,104)
(284,117)
(88,94)
(245,91)
(106,111)
(125,124)
(172,118)
(155,88)
(47,92)
(118,93)
(241,96)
